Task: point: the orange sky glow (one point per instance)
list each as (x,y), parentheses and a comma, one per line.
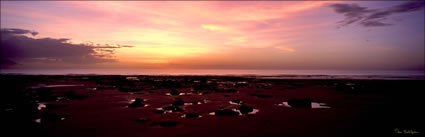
(195,34)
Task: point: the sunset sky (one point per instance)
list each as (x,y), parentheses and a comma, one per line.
(386,35)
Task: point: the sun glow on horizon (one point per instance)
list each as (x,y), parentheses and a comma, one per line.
(219,34)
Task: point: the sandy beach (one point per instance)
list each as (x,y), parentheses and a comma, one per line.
(208,106)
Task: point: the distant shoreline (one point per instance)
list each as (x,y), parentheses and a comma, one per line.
(238,72)
(277,76)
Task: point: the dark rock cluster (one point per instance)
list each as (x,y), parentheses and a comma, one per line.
(138,102)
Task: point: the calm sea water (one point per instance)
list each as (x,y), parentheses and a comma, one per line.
(207,72)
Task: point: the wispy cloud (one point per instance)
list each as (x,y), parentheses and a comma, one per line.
(373,17)
(13,31)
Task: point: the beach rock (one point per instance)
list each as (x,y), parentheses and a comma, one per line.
(300,103)
(226,112)
(178,103)
(245,109)
(196,103)
(137,103)
(173,108)
(192,115)
(54,106)
(45,94)
(168,108)
(159,112)
(73,96)
(178,110)
(237,101)
(20,111)
(138,100)
(174,92)
(51,117)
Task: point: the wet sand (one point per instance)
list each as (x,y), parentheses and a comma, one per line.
(209,106)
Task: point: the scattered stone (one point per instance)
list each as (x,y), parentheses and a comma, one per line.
(45,94)
(192,115)
(172,109)
(49,117)
(174,92)
(226,112)
(178,102)
(236,101)
(245,109)
(159,112)
(197,103)
(54,106)
(300,103)
(138,102)
(168,108)
(72,95)
(41,106)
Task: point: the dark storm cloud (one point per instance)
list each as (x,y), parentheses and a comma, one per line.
(17,47)
(373,17)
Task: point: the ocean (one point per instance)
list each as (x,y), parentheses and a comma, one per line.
(209,72)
